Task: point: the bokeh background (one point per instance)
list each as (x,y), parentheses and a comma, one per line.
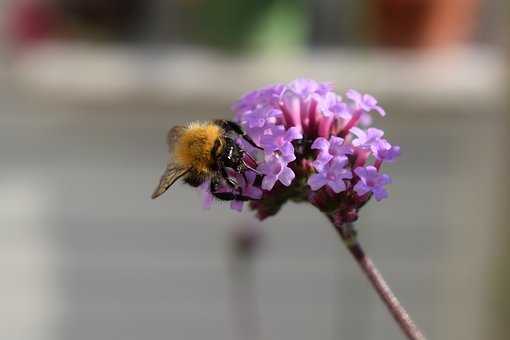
(88,89)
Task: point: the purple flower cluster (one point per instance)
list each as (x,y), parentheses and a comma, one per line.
(317,147)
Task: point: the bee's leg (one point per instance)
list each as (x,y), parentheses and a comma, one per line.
(231,182)
(214,184)
(249,167)
(245,165)
(229,125)
(224,196)
(230,196)
(241,198)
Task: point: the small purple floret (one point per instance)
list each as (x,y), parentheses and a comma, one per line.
(384,151)
(332,175)
(366,139)
(275,169)
(365,102)
(280,140)
(370,180)
(335,148)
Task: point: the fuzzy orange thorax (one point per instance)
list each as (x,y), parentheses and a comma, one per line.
(193,149)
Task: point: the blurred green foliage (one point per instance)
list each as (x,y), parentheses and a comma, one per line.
(235,25)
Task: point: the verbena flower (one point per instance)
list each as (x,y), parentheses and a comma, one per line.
(317,148)
(280,140)
(365,102)
(335,148)
(275,169)
(371,181)
(384,151)
(332,175)
(366,139)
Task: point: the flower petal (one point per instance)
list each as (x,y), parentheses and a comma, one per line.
(339,163)
(361,172)
(268,143)
(361,189)
(371,171)
(286,176)
(369,100)
(362,136)
(253,192)
(380,193)
(250,176)
(380,110)
(385,179)
(374,134)
(337,186)
(292,134)
(322,159)
(237,205)
(320,144)
(268,182)
(287,149)
(346,174)
(353,95)
(317,181)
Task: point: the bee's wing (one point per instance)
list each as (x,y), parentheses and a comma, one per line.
(172,174)
(173,136)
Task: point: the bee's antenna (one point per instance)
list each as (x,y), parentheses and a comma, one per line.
(249,140)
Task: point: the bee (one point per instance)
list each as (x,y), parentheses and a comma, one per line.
(205,151)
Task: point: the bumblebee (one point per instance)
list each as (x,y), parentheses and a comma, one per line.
(205,151)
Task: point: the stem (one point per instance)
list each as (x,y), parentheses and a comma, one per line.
(244,309)
(244,244)
(400,315)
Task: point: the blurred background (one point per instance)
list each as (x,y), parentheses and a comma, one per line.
(88,90)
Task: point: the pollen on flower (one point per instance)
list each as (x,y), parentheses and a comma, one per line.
(317,147)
